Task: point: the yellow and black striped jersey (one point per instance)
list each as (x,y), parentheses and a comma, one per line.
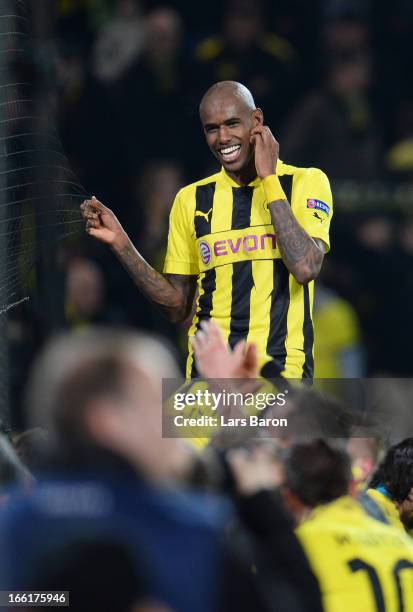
(362,565)
(222,233)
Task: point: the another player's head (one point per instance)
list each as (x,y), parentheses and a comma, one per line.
(228,114)
(315,473)
(394,477)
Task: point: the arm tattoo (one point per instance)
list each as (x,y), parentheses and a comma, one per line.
(300,253)
(173,294)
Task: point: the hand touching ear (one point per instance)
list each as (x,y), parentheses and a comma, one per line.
(266,150)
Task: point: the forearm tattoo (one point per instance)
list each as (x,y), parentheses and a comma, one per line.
(299,252)
(173,299)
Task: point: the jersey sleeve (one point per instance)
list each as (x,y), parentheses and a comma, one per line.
(312,204)
(181,255)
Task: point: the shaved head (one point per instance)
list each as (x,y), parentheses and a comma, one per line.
(226,90)
(228,114)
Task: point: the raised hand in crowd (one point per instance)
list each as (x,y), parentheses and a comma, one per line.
(215,359)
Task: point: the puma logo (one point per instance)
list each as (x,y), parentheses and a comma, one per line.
(198,213)
(317,216)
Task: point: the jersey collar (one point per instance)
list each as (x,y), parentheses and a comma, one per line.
(257,181)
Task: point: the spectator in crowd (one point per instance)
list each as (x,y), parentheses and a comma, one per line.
(342,542)
(249,470)
(119,42)
(391,486)
(154,89)
(374,257)
(253,469)
(337,340)
(85,299)
(155,190)
(246,51)
(346,28)
(399,345)
(85,114)
(340,111)
(66,411)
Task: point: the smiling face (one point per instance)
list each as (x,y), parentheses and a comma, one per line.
(227,121)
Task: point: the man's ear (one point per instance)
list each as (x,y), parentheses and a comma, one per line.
(257,117)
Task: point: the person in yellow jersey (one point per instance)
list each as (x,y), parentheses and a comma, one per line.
(338,351)
(362,564)
(249,239)
(391,486)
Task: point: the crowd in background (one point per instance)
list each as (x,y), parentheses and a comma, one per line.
(125,80)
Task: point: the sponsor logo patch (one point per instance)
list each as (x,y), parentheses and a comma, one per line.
(319,205)
(205,251)
(249,243)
